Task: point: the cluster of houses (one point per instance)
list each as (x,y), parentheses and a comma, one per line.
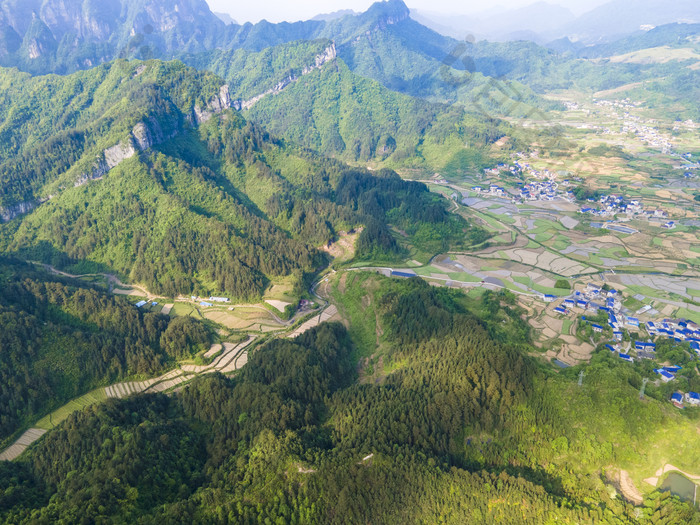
(493,189)
(617,104)
(594,299)
(691,398)
(648,135)
(544,191)
(678,330)
(633,124)
(612,205)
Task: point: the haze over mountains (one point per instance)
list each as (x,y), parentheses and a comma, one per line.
(303,272)
(543,21)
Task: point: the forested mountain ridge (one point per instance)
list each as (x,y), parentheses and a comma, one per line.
(302,92)
(151,177)
(58,132)
(460,428)
(61,338)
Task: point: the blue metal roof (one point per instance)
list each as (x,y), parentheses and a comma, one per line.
(402,274)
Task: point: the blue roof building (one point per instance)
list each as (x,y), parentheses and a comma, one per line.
(665,376)
(398,273)
(677,399)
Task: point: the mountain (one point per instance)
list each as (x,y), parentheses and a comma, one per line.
(327,17)
(304,93)
(226,18)
(62,338)
(65,35)
(619,18)
(533,22)
(156,180)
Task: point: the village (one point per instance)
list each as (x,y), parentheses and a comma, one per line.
(622,333)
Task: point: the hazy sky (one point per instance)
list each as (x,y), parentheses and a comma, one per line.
(278,10)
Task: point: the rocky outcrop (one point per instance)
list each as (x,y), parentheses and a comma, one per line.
(216,105)
(145,135)
(326,56)
(10,212)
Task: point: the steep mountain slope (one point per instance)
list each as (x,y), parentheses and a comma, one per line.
(65,35)
(302,92)
(148,181)
(59,132)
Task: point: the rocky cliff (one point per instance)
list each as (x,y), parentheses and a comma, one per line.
(320,60)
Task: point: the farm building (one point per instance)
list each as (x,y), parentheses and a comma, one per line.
(692,398)
(677,399)
(406,275)
(665,376)
(141,303)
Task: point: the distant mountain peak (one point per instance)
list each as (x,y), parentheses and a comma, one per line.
(225,18)
(389,12)
(327,17)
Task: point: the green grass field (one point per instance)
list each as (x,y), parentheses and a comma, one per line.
(54,418)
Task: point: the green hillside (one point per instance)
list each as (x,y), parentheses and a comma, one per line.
(459,428)
(55,129)
(61,339)
(341,114)
(218,207)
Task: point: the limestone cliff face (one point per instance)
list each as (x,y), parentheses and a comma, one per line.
(216,105)
(320,60)
(10,212)
(101,30)
(149,133)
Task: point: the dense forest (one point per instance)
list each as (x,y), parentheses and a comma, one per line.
(296,438)
(60,339)
(220,208)
(343,115)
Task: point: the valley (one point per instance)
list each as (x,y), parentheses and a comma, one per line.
(349,269)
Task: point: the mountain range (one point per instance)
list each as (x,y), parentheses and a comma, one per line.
(158,146)
(543,22)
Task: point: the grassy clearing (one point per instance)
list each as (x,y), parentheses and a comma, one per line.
(54,418)
(350,291)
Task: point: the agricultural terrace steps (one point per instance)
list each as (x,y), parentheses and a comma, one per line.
(19,446)
(234,357)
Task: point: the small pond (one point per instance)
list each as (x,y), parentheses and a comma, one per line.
(560,364)
(680,486)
